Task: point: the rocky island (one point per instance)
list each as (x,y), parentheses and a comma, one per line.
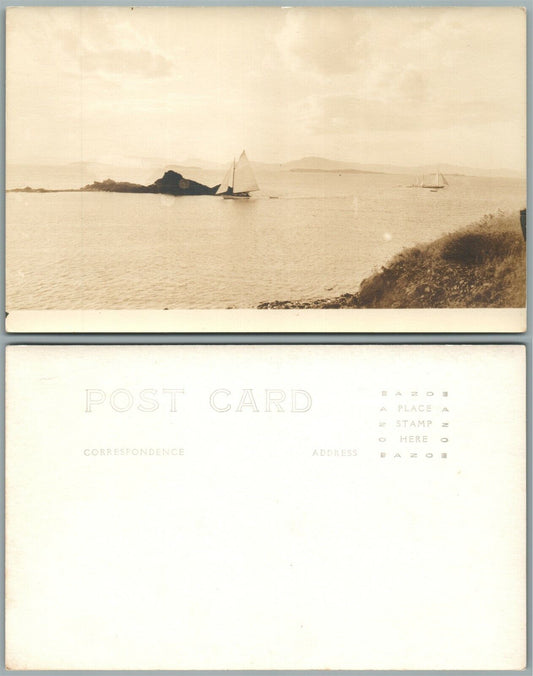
(171,183)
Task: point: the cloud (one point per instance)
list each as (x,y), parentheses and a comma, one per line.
(140,63)
(347,113)
(302,80)
(413,85)
(326,43)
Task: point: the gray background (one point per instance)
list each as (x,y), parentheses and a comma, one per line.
(280,338)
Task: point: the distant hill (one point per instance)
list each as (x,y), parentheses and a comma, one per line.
(321,164)
(145,171)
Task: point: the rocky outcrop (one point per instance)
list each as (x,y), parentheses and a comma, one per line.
(171,183)
(115,186)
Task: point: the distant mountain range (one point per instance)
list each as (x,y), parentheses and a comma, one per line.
(145,170)
(321,164)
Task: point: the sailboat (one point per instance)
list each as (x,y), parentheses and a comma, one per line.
(239,180)
(433,181)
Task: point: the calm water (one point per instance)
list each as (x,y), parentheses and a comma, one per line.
(320,237)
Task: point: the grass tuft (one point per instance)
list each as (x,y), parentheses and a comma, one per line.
(480,266)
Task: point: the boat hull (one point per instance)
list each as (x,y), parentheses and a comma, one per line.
(236,197)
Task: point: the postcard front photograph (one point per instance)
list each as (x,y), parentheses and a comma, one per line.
(289,168)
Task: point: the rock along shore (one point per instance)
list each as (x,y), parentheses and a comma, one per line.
(482,265)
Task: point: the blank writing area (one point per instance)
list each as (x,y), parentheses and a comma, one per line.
(340,507)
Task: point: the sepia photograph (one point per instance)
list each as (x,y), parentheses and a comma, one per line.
(266,169)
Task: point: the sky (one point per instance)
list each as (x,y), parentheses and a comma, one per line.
(398,86)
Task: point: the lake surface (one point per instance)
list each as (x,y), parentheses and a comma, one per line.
(321,235)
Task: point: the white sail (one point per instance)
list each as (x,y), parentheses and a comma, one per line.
(434,181)
(227,181)
(244,179)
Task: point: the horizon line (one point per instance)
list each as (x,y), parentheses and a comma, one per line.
(197,163)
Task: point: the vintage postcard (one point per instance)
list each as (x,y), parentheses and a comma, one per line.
(266,507)
(266,169)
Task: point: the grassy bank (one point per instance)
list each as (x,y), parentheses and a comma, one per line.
(482,265)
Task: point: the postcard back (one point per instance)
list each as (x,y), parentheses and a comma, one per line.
(252,507)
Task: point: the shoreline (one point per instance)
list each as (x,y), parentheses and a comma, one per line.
(480,265)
